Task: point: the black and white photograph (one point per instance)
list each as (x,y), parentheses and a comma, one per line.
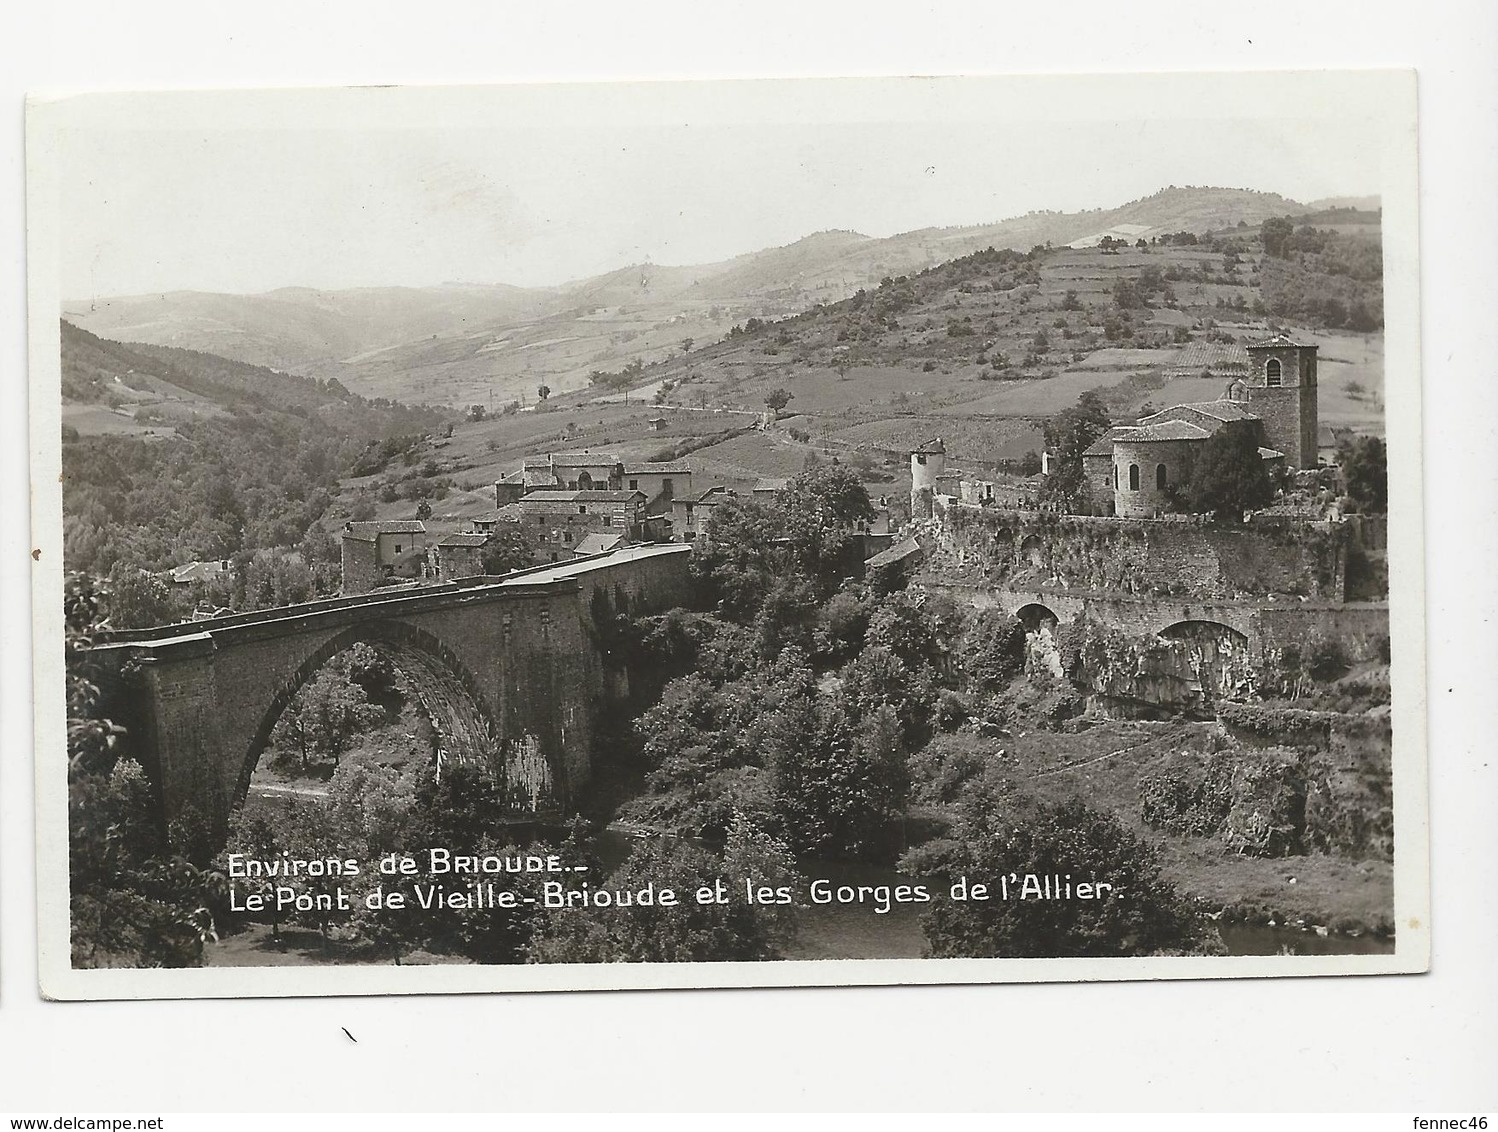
(785,532)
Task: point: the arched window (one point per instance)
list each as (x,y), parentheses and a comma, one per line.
(1272,372)
(1160,476)
(1133,477)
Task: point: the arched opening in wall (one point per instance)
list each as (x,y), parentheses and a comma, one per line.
(1273,373)
(386,697)
(584,482)
(1032,553)
(1041,651)
(1210,659)
(1160,477)
(1034,616)
(1133,477)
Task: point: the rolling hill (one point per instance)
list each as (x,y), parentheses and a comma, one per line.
(461,345)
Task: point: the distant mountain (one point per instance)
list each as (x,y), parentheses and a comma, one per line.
(464,344)
(1361,204)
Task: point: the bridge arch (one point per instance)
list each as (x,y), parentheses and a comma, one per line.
(447,692)
(1201,629)
(1033,615)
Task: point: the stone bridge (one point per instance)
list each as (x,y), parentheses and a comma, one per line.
(1260,624)
(507,670)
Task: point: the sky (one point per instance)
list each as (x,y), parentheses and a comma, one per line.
(535,186)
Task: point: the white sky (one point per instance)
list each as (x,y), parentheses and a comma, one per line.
(527,185)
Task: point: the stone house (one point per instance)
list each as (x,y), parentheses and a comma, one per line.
(382,551)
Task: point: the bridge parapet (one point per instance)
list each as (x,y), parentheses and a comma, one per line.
(507,670)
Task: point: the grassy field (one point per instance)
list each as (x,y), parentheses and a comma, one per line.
(886,382)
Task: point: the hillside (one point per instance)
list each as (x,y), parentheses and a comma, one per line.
(460,345)
(173,456)
(979,350)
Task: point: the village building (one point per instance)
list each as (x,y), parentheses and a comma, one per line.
(691,518)
(379,552)
(555,522)
(1137,471)
(661,481)
(194,572)
(766,488)
(459,555)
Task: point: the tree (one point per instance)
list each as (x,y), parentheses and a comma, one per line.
(1365,468)
(1140,914)
(135,897)
(543,391)
(505,550)
(681,930)
(325,715)
(1276,235)
(476,412)
(777,399)
(1029,463)
(686,345)
(1068,434)
(1229,476)
(424,510)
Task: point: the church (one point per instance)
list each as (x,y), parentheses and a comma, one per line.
(1136,470)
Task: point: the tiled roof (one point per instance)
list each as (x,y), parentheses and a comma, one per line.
(669,468)
(1270,454)
(376,527)
(1165,430)
(598,543)
(197,571)
(462,538)
(581,496)
(1103,445)
(932,447)
(1221,410)
(582,459)
(1280,341)
(896,553)
(770,483)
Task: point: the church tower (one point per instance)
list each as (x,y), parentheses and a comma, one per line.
(1281,390)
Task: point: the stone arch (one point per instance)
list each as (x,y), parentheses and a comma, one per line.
(1133,477)
(1273,372)
(1161,478)
(584,481)
(1033,616)
(1032,551)
(1200,629)
(1212,661)
(445,689)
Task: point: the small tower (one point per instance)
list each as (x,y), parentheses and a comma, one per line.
(1281,390)
(927,463)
